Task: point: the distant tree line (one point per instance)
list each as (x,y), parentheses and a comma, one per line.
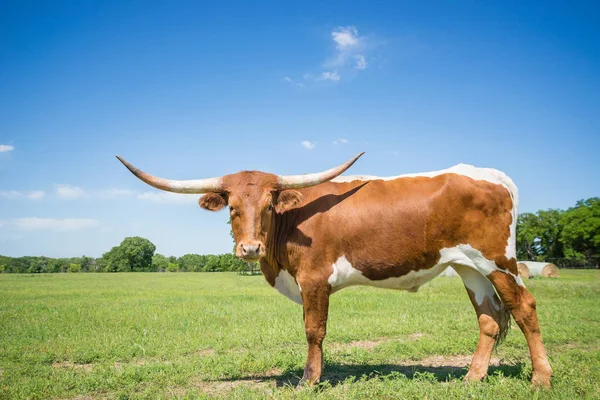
(567,238)
(134,254)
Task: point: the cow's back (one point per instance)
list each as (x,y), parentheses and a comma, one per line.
(396,227)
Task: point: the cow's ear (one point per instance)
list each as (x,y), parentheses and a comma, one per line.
(213,201)
(286,200)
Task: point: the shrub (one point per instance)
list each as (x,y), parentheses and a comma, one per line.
(172,267)
(75,268)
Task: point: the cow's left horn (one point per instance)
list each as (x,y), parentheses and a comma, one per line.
(300,181)
(192,186)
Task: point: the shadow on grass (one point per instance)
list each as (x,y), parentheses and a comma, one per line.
(336,374)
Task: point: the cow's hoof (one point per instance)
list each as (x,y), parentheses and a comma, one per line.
(541,381)
(474,376)
(305,382)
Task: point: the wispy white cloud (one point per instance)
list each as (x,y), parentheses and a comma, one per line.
(360,62)
(340,141)
(50,224)
(166,197)
(36,195)
(345,37)
(293,82)
(329,76)
(152,196)
(15,194)
(69,192)
(350,48)
(308,144)
(6,147)
(349,57)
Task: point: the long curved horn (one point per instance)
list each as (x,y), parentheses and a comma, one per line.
(300,181)
(192,186)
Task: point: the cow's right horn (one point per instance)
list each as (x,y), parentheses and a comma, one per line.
(191,186)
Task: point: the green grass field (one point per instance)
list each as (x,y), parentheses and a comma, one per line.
(190,335)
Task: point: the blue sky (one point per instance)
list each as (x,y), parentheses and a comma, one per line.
(189,90)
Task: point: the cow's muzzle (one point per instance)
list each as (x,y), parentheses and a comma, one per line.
(251,251)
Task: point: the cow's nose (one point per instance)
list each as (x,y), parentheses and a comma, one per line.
(250,250)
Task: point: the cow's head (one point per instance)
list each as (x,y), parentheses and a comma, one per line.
(252,196)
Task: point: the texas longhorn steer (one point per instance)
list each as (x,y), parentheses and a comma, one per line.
(315,235)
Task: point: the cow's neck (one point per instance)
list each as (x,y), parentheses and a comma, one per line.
(277,257)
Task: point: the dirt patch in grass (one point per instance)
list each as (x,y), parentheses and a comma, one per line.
(371,344)
(446,361)
(413,337)
(214,388)
(177,392)
(86,397)
(205,353)
(265,380)
(146,361)
(141,362)
(359,344)
(70,365)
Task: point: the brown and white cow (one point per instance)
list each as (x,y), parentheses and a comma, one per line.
(315,235)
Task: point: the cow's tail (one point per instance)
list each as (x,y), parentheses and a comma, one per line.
(504,322)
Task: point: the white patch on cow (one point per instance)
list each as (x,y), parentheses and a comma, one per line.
(449,272)
(467,256)
(483,174)
(287,286)
(344,275)
(478,284)
(471,265)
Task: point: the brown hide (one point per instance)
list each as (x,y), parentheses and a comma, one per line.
(389,228)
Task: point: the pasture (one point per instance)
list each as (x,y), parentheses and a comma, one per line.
(195,335)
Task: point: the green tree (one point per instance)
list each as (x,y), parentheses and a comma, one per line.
(74,268)
(192,262)
(159,263)
(213,263)
(133,254)
(86,263)
(38,265)
(100,264)
(549,232)
(580,233)
(527,235)
(172,267)
(538,235)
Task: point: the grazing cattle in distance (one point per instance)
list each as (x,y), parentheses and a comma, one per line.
(316,234)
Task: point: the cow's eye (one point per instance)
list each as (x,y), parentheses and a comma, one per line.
(271,207)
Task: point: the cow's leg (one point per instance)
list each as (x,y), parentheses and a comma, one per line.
(315,299)
(522,306)
(493,318)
